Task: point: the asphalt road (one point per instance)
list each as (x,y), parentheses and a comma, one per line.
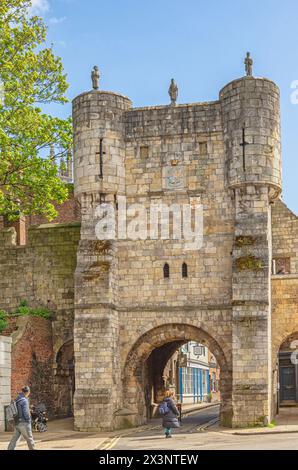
(193,423)
(193,436)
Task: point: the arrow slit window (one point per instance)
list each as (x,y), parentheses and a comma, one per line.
(184,270)
(166,271)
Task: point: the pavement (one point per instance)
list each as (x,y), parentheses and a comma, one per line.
(285,422)
(61,435)
(200,429)
(208,440)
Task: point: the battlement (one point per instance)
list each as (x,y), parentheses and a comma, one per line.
(182,119)
(177,105)
(124,150)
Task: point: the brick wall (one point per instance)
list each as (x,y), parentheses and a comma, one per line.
(68,212)
(31,360)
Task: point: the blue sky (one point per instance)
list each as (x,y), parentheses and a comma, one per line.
(140,45)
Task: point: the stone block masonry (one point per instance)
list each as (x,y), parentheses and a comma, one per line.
(113,305)
(224,154)
(42,272)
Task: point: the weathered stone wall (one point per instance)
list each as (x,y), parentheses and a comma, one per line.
(127,314)
(182,154)
(284,286)
(42,272)
(251,122)
(99,115)
(285,234)
(5,377)
(184,142)
(284,310)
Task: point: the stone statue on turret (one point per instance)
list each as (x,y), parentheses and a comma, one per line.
(248,65)
(95,75)
(173,92)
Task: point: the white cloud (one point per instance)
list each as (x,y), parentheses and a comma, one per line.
(55,20)
(39,7)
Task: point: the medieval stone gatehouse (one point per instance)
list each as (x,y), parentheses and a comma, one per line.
(126,304)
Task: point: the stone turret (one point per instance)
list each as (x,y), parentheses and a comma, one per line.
(251,127)
(99,115)
(99,176)
(251,131)
(99,150)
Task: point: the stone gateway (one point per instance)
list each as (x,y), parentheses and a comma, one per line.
(124,311)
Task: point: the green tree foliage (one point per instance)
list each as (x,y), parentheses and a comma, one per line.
(30,76)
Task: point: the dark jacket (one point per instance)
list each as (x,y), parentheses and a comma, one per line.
(170,420)
(23,408)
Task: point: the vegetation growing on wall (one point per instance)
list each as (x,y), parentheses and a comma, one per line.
(245,240)
(249,262)
(3,320)
(22,310)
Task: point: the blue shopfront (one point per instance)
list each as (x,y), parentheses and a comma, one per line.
(194,384)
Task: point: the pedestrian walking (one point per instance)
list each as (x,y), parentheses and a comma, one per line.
(169,413)
(23,426)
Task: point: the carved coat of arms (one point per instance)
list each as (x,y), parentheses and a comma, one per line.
(173,177)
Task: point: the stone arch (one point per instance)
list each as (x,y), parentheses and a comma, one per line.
(286,371)
(281,339)
(64,384)
(166,338)
(60,342)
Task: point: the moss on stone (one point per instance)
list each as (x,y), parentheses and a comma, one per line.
(249,263)
(245,240)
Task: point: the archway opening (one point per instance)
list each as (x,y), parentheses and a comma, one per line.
(288,372)
(148,371)
(189,369)
(64,383)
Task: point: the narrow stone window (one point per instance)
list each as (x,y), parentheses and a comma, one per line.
(184,270)
(203,148)
(144,151)
(166,271)
(116,201)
